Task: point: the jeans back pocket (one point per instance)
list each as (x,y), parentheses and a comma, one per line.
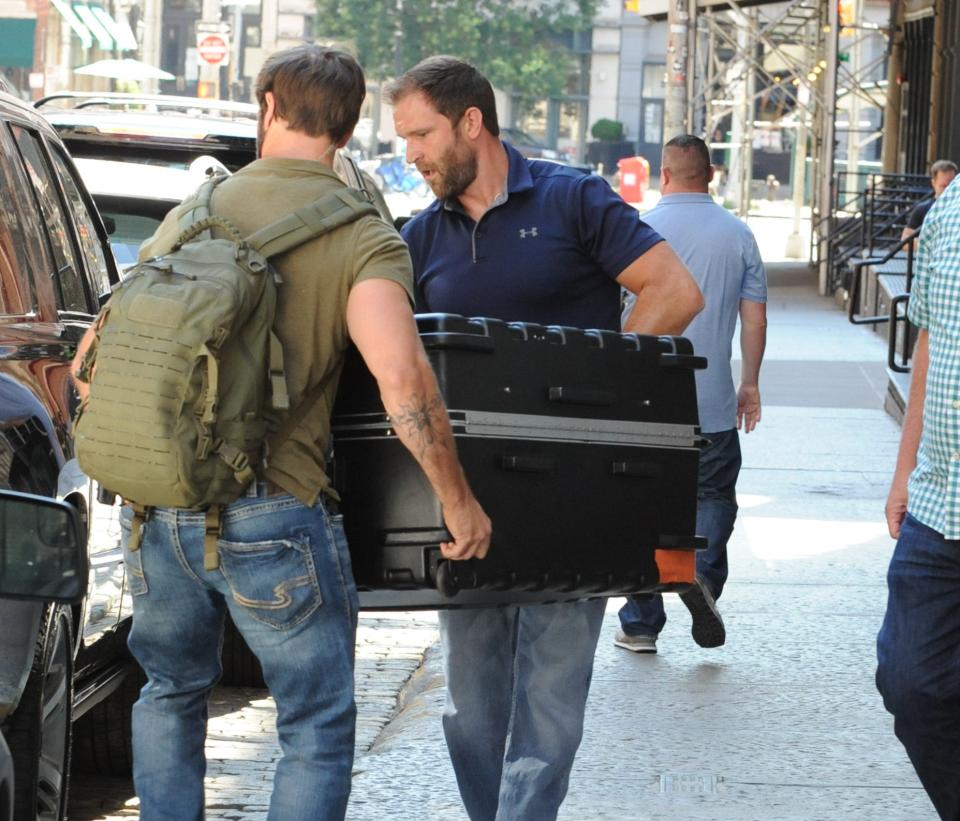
(275,581)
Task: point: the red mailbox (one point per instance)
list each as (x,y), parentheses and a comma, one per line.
(634,173)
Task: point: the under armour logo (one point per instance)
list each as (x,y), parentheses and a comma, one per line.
(528,232)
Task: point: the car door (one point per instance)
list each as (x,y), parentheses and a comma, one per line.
(79,270)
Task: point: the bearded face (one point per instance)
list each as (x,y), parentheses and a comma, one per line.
(453,172)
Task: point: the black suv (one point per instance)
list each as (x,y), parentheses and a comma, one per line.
(62,666)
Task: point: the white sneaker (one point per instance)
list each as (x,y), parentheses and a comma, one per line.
(636,644)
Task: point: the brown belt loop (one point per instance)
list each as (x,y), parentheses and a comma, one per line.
(136,526)
(212,531)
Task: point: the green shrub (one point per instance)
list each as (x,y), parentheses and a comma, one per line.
(608,131)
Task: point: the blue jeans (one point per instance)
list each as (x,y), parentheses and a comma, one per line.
(918,654)
(643,615)
(285,577)
(517,683)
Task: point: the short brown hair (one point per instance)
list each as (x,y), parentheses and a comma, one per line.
(452,85)
(317,90)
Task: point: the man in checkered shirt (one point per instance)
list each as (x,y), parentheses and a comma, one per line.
(918,648)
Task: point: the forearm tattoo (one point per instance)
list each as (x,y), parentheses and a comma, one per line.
(421,419)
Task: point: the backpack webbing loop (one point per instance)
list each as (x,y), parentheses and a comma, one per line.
(279,397)
(136,526)
(208,408)
(212,530)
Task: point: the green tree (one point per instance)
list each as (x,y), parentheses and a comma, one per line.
(517,44)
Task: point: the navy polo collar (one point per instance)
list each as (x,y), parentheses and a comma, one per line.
(518,174)
(518,179)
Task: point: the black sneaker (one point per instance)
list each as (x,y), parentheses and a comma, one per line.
(707,629)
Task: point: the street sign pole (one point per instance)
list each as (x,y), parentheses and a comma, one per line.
(209,81)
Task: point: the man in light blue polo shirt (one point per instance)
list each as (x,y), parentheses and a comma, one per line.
(721,253)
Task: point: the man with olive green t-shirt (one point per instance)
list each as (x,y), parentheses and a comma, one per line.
(284,572)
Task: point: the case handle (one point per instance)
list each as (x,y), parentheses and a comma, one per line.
(582,396)
(683,360)
(528,464)
(639,470)
(467,342)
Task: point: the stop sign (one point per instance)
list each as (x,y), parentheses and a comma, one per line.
(213,49)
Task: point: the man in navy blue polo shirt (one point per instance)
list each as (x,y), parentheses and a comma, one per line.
(520,240)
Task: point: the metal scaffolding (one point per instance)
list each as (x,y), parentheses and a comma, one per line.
(785,74)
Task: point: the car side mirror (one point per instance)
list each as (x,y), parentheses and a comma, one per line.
(43,553)
(109,224)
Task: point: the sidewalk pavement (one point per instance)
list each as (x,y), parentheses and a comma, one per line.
(242,748)
(783,722)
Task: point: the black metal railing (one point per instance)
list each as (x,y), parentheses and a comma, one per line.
(856,280)
(869,212)
(895,317)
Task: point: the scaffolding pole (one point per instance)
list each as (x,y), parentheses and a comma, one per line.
(828,143)
(679,59)
(788,53)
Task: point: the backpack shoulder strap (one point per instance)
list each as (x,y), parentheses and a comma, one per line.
(320,217)
(197,207)
(347,170)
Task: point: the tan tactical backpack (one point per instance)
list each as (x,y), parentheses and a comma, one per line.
(185,360)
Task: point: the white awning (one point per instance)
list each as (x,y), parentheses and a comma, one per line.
(74,22)
(85,13)
(119,29)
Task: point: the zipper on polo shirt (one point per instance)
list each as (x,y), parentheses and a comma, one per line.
(498,200)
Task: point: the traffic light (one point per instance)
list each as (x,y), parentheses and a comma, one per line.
(632,5)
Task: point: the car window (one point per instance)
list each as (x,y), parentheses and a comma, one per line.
(71,294)
(86,228)
(129,233)
(21,248)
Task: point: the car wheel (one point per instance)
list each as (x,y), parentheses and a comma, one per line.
(103,736)
(240,666)
(39,731)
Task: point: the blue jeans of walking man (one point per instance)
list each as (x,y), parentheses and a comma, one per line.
(515,703)
(286,581)
(918,651)
(643,615)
